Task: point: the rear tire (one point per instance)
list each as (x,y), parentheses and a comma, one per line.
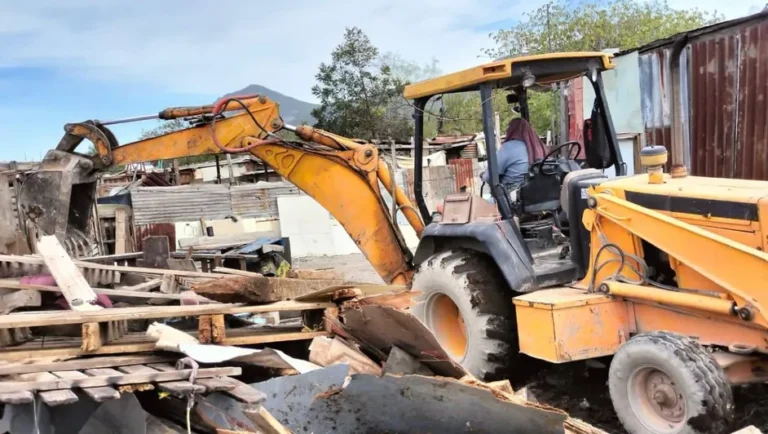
(466,304)
(667,383)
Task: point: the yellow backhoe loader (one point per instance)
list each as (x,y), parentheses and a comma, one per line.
(660,271)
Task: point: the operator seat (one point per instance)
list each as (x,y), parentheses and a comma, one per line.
(539,193)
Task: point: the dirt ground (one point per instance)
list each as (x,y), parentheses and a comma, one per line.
(579,390)
(353,267)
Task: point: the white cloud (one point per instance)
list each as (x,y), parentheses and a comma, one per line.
(215,47)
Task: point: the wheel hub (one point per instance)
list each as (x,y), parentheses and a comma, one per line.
(656,400)
(447,323)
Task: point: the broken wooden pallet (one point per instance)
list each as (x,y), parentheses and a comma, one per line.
(104,332)
(139,343)
(57,385)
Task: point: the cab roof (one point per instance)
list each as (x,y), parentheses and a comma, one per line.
(509,72)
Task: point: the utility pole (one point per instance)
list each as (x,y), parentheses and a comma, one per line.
(552,117)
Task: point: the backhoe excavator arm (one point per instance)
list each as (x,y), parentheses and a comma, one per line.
(343,175)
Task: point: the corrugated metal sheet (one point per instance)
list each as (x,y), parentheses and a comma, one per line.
(438,182)
(192,202)
(654,97)
(724,75)
(252,200)
(183,203)
(465,178)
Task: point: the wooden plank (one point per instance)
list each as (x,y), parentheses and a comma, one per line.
(36,349)
(58,397)
(181,264)
(156,251)
(168,284)
(259,289)
(104,372)
(165,367)
(71,365)
(243,392)
(180,388)
(20,397)
(266,339)
(98,394)
(204,329)
(124,292)
(218,329)
(36,319)
(266,423)
(177,388)
(6,210)
(54,397)
(110,380)
(113,258)
(35,260)
(137,369)
(143,287)
(234,271)
(215,384)
(121,231)
(23,298)
(73,285)
(91,334)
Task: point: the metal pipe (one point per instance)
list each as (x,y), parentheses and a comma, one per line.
(128,120)
(418,156)
(678,170)
(613,141)
(497,190)
(679,299)
(393,210)
(388,179)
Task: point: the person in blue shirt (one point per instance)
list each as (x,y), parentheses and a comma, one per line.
(520,149)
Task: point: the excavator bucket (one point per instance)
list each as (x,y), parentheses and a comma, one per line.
(58,199)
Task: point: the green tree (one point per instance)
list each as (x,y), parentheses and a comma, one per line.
(356,92)
(591,25)
(594,25)
(163,127)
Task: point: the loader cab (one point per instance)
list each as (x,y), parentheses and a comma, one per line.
(536,220)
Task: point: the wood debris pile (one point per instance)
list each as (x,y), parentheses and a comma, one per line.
(168,341)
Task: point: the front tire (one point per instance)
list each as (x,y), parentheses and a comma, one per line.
(667,383)
(465,303)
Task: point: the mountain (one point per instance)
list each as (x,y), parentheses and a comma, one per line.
(293,111)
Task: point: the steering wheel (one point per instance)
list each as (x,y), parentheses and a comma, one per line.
(569,145)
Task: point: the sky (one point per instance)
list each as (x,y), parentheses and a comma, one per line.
(68,61)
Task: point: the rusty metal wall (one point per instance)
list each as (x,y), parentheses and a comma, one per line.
(724,72)
(465,177)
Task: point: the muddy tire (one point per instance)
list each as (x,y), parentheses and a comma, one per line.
(466,304)
(667,383)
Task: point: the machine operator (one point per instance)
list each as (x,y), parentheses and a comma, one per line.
(520,149)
